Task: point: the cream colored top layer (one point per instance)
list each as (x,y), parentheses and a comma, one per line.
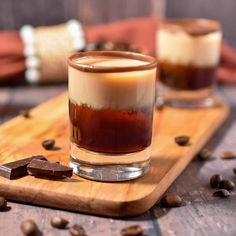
(182,48)
(123,90)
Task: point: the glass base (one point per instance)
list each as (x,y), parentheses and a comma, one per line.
(109,168)
(203,98)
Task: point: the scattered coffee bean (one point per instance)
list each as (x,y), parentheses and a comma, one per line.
(59,222)
(77,230)
(204,155)
(171,200)
(234,170)
(182,140)
(29,228)
(227,184)
(223,193)
(48,144)
(3,204)
(215,181)
(134,230)
(25,113)
(228,155)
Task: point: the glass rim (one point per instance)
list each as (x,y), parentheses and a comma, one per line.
(178,23)
(152,62)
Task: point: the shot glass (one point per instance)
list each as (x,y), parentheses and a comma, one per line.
(188,53)
(111,100)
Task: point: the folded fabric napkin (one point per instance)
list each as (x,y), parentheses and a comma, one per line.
(139,32)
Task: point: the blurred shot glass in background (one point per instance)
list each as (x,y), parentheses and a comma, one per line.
(188,52)
(111,101)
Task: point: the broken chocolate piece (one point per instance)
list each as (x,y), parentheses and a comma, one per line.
(46,169)
(17,169)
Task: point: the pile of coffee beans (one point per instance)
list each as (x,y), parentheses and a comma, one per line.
(30,228)
(224,186)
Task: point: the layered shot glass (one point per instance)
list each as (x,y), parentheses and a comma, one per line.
(111,99)
(188,52)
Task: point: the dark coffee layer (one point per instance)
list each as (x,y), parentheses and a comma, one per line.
(194,27)
(110,131)
(187,77)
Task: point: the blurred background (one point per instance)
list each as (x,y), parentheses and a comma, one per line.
(15,13)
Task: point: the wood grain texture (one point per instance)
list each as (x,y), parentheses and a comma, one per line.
(23,138)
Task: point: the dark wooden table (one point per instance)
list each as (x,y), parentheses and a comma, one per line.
(202,215)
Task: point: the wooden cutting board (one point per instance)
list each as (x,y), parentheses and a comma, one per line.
(22,137)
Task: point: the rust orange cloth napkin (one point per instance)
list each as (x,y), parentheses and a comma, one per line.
(139,32)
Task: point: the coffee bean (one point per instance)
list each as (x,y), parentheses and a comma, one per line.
(3,204)
(134,230)
(228,155)
(59,222)
(48,144)
(25,113)
(182,140)
(215,181)
(29,228)
(223,193)
(77,230)
(171,200)
(234,170)
(227,184)
(204,155)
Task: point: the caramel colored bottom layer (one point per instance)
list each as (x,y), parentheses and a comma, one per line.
(187,77)
(110,131)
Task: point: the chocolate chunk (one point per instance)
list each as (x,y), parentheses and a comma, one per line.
(17,169)
(182,140)
(46,169)
(133,230)
(48,144)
